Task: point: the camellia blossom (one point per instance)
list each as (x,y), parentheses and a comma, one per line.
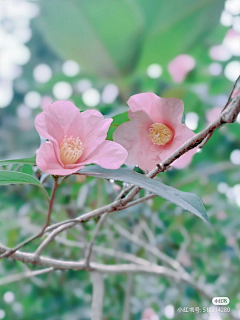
(180,66)
(154,131)
(74,140)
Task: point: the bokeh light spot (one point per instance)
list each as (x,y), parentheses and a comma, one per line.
(23,111)
(8,297)
(235,156)
(233,6)
(169,311)
(32,99)
(191,120)
(6,93)
(215,69)
(91,97)
(2,314)
(83,85)
(232,70)
(42,73)
(62,90)
(154,71)
(110,93)
(226,19)
(70,68)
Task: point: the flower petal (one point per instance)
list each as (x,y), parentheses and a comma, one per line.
(143,102)
(133,135)
(168,111)
(182,134)
(47,161)
(95,129)
(109,155)
(59,119)
(184,160)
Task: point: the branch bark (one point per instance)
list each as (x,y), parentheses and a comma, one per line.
(97,295)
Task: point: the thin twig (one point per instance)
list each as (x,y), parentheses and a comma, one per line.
(94,236)
(11,251)
(127,298)
(23,275)
(148,247)
(229,100)
(97,295)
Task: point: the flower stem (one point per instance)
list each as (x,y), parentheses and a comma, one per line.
(50,204)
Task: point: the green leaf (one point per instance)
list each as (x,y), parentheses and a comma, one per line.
(31,161)
(187,201)
(117,120)
(14,177)
(102,36)
(175,27)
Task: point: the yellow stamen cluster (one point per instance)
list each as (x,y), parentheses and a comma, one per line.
(160,134)
(71,150)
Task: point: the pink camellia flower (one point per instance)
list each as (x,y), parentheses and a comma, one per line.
(74,140)
(180,66)
(154,132)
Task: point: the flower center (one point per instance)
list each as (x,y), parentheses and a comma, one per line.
(160,134)
(71,150)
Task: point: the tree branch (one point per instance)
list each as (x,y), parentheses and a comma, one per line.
(23,275)
(97,295)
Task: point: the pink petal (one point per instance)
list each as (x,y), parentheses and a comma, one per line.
(169,112)
(47,161)
(143,102)
(59,119)
(95,129)
(133,136)
(148,160)
(127,135)
(161,110)
(109,155)
(182,135)
(184,160)
(180,67)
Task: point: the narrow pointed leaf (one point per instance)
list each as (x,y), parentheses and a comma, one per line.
(14,177)
(187,201)
(31,161)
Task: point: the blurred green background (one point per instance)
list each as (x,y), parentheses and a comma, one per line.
(98,53)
